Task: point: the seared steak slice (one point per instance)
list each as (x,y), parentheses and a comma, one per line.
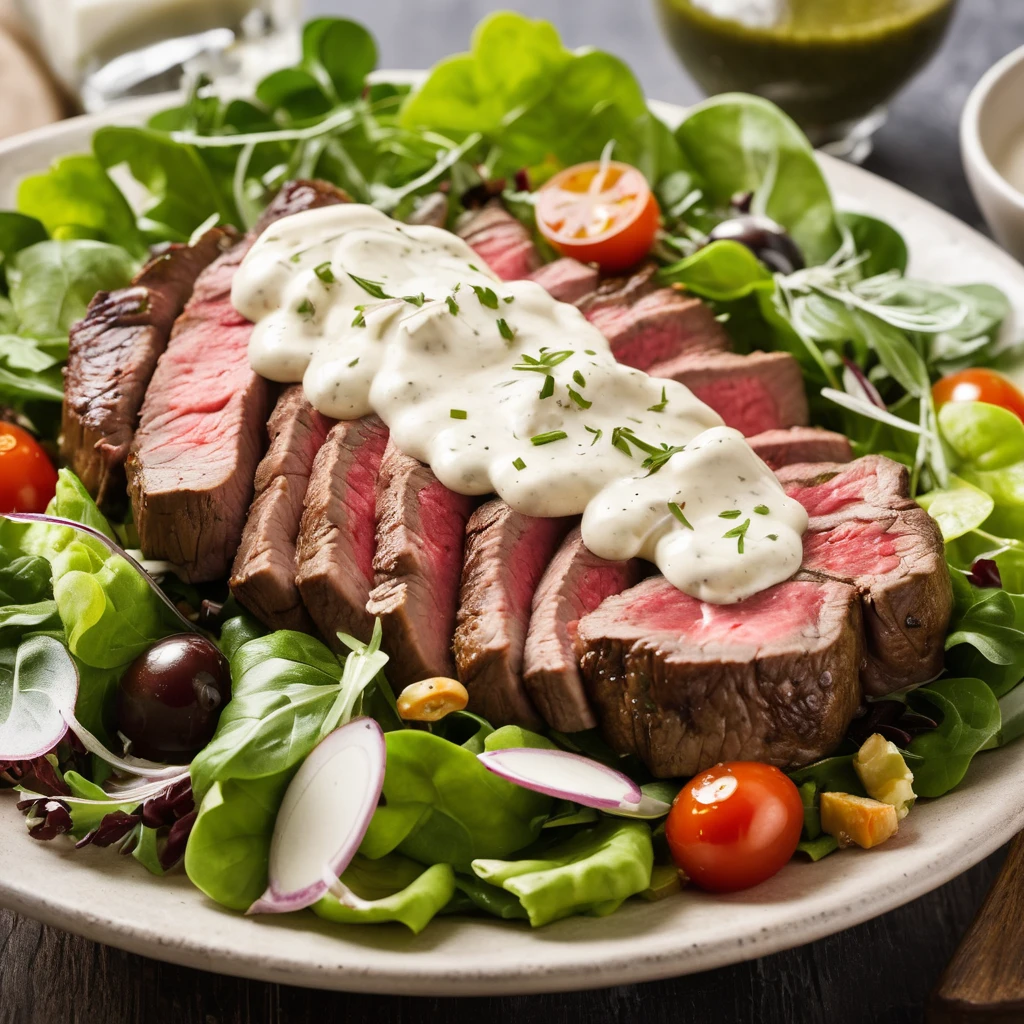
(575,583)
(296,196)
(506,555)
(421,530)
(501,241)
(659,326)
(431,210)
(685,684)
(263,577)
(752,393)
(780,448)
(826,489)
(567,280)
(112,353)
(621,291)
(334,553)
(203,424)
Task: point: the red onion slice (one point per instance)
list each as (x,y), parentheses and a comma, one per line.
(324,815)
(568,776)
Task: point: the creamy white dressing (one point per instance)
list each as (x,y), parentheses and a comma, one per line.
(500,388)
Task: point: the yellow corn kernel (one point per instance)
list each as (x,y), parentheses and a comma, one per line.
(885,774)
(431,699)
(857,819)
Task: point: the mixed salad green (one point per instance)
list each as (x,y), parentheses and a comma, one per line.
(450,836)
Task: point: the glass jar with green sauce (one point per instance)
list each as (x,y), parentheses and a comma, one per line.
(831,64)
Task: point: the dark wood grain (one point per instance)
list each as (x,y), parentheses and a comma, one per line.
(984,982)
(880,972)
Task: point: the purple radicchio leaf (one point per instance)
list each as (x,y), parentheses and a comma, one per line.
(985,573)
(177,839)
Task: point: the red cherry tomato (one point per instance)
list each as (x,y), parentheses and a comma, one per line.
(979,386)
(27,477)
(735,825)
(599,213)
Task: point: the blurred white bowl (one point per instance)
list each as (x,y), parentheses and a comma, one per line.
(991,126)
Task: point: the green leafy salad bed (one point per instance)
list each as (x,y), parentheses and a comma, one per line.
(448,834)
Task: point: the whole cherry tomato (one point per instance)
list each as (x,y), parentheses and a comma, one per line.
(27,477)
(735,825)
(979,386)
(601,212)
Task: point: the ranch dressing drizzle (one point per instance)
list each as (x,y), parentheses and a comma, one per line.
(498,387)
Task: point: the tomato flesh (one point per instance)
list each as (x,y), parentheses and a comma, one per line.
(980,386)
(27,477)
(599,212)
(735,825)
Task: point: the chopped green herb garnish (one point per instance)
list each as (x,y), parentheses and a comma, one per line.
(732,513)
(677,511)
(579,399)
(739,532)
(295,257)
(504,330)
(589,352)
(359,320)
(324,272)
(306,309)
(546,361)
(509,298)
(773,536)
(597,434)
(486,296)
(416,300)
(371,287)
(762,510)
(473,266)
(659,406)
(453,306)
(353,363)
(551,435)
(579,378)
(457,414)
(548,388)
(519,464)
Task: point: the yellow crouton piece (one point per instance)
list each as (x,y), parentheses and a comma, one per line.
(857,819)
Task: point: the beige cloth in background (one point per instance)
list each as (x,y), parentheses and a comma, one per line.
(29,98)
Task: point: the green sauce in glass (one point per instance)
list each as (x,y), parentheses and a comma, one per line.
(828,63)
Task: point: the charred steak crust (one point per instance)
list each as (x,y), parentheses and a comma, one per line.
(685,685)
(112,353)
(421,531)
(334,552)
(263,576)
(202,429)
(574,584)
(506,555)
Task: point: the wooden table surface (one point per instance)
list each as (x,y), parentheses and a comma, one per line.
(879,972)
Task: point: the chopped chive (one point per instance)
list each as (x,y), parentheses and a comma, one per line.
(295,257)
(324,272)
(677,511)
(416,300)
(306,309)
(360,320)
(546,362)
(486,296)
(504,330)
(371,287)
(453,306)
(548,388)
(473,266)
(597,434)
(762,510)
(733,513)
(509,298)
(551,435)
(658,458)
(457,414)
(353,363)
(579,399)
(739,532)
(659,406)
(579,378)
(589,352)
(773,536)
(618,441)
(519,464)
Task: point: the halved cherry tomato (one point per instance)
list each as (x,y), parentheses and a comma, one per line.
(603,213)
(27,477)
(735,825)
(979,386)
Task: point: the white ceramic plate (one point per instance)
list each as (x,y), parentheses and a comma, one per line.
(113,900)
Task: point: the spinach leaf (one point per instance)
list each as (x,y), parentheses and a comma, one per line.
(591,872)
(442,806)
(958,509)
(17,232)
(395,888)
(491,899)
(339,54)
(880,242)
(986,636)
(983,437)
(833,774)
(723,271)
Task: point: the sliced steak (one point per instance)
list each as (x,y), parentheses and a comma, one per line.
(334,552)
(567,280)
(202,429)
(779,448)
(431,210)
(421,531)
(826,489)
(506,555)
(501,241)
(685,684)
(752,393)
(621,291)
(574,584)
(661,325)
(263,577)
(112,353)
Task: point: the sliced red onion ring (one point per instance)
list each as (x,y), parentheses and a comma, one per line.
(324,815)
(568,776)
(44,688)
(112,546)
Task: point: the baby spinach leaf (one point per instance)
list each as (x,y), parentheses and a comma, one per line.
(982,436)
(958,509)
(591,872)
(880,242)
(395,888)
(986,637)
(17,232)
(723,271)
(339,54)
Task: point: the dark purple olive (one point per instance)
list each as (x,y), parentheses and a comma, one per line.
(767,240)
(170,698)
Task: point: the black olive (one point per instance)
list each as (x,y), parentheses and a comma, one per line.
(767,240)
(170,698)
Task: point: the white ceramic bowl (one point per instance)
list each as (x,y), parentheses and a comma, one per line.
(992,118)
